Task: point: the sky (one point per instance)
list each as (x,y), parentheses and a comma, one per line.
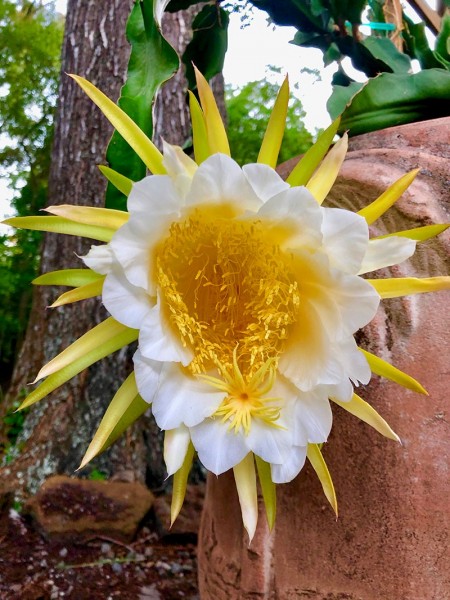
(248,56)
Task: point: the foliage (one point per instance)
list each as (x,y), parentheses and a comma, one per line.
(30,44)
(248,111)
(152,61)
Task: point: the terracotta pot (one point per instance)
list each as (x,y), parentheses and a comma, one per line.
(391,539)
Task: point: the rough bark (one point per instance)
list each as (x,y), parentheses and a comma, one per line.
(57,431)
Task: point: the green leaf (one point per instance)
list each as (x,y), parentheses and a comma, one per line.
(443,39)
(209,43)
(383,49)
(417,46)
(152,61)
(393,99)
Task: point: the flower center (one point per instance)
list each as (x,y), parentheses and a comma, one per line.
(246,396)
(225,283)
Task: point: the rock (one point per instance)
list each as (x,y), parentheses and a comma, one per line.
(391,538)
(79,508)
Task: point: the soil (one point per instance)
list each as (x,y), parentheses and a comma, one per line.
(155,566)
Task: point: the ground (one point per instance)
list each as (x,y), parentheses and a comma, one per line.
(154,566)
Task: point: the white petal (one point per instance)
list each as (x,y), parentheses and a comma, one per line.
(100,259)
(147,376)
(264,180)
(180,167)
(218,448)
(176,442)
(157,340)
(313,417)
(219,179)
(291,467)
(271,444)
(386,252)
(296,209)
(344,302)
(154,195)
(183,399)
(345,238)
(127,303)
(133,254)
(307,353)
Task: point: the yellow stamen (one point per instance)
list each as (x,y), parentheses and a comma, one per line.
(246,396)
(226,282)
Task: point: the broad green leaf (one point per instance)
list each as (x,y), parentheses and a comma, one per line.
(323,179)
(115,412)
(304,169)
(61,225)
(384,49)
(420,234)
(378,207)
(83,292)
(215,129)
(97,337)
(152,62)
(90,215)
(245,478)
(394,99)
(384,369)
(199,133)
(361,409)
(443,39)
(270,147)
(268,489)
(208,45)
(405,286)
(70,277)
(57,379)
(417,45)
(180,480)
(122,183)
(320,467)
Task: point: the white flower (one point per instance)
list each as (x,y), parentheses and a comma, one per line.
(246,295)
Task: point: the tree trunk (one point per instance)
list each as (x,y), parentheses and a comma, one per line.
(58,430)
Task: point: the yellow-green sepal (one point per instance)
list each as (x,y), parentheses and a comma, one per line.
(405,286)
(123,336)
(271,144)
(125,401)
(69,277)
(320,467)
(378,207)
(90,215)
(215,129)
(324,177)
(384,369)
(245,478)
(199,133)
(83,292)
(304,169)
(180,480)
(419,234)
(61,225)
(96,338)
(127,128)
(122,183)
(361,409)
(268,489)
